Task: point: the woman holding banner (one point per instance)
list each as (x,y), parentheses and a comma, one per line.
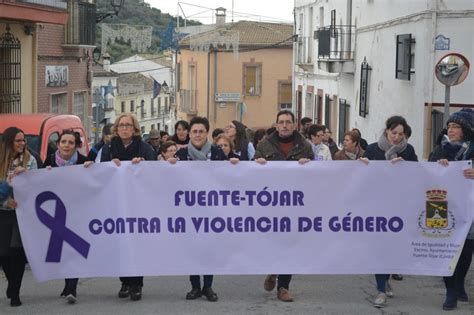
(458,145)
(127,145)
(66,155)
(392,146)
(15,157)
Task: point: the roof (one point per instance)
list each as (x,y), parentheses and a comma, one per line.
(251,34)
(98,71)
(135,78)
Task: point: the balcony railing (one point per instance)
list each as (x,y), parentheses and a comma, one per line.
(82,24)
(59,4)
(335,43)
(188,101)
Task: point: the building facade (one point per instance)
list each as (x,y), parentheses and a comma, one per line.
(400,45)
(236,71)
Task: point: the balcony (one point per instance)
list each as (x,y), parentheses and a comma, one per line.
(82,24)
(336,47)
(188,101)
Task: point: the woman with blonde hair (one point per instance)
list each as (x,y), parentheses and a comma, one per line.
(14,158)
(127,145)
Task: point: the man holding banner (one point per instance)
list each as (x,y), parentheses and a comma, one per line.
(285,144)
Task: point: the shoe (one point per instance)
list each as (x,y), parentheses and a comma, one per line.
(71,298)
(194,294)
(388,290)
(451,301)
(124,291)
(380,300)
(210,295)
(397,277)
(270,282)
(135,293)
(284,295)
(15,302)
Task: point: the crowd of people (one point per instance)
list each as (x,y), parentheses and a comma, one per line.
(122,141)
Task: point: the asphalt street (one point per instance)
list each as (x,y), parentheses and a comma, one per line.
(314,294)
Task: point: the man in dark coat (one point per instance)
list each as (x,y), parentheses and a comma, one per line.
(285,144)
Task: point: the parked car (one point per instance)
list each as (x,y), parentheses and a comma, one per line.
(42,130)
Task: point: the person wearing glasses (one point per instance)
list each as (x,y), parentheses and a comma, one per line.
(200,149)
(14,158)
(67,154)
(458,145)
(168,151)
(284,144)
(127,145)
(320,150)
(242,146)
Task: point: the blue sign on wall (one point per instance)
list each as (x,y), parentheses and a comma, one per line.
(442,42)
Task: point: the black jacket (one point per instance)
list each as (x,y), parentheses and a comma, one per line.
(144,151)
(216,154)
(373,152)
(269,149)
(438,154)
(51,160)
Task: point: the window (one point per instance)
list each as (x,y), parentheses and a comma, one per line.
(122,107)
(142,109)
(321,17)
(159,126)
(132,106)
(192,77)
(343,118)
(159,105)
(405,57)
(284,95)
(166,105)
(152,126)
(252,80)
(82,23)
(79,105)
(59,103)
(436,126)
(10,73)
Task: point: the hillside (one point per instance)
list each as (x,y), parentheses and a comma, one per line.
(136,12)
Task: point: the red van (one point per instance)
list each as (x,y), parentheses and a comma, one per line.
(42,130)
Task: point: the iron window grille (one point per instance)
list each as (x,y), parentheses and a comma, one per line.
(10,73)
(364,87)
(343,118)
(335,42)
(327,111)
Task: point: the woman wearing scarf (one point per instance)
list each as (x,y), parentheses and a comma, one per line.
(351,147)
(458,145)
(392,146)
(200,149)
(181,134)
(243,148)
(15,156)
(67,155)
(127,145)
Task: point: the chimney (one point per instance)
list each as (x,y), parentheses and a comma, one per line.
(106,62)
(220,16)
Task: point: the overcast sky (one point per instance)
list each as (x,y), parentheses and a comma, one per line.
(281,10)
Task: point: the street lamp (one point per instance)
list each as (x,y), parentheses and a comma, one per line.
(116,5)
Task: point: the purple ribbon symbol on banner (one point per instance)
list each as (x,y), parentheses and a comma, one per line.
(59,231)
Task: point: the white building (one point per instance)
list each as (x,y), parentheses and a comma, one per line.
(334,38)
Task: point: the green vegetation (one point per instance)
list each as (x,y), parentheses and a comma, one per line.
(136,12)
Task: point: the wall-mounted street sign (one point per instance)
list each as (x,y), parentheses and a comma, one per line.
(227,97)
(56,76)
(442,42)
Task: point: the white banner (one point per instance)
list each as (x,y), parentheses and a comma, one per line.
(154,218)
